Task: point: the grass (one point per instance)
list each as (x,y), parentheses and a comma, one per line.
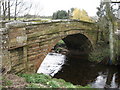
(45,81)
(6,82)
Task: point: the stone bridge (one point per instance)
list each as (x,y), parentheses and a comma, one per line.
(24,45)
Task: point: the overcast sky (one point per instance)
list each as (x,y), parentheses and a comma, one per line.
(47,7)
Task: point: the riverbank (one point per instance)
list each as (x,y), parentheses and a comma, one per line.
(12,81)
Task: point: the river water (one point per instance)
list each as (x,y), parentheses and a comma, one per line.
(79,71)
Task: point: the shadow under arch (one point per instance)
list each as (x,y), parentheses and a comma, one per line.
(78,44)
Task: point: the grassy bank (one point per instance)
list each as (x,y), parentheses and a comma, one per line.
(35,81)
(45,81)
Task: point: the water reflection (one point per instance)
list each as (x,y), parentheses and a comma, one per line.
(79,71)
(100,81)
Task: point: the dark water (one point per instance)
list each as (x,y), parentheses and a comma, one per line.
(79,71)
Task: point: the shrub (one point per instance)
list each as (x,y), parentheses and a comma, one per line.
(99,54)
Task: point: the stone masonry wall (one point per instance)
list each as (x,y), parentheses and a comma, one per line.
(28,44)
(5,65)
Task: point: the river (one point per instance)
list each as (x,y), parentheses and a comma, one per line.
(79,71)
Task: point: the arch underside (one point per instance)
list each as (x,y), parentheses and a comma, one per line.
(77,44)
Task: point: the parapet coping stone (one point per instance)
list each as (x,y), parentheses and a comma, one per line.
(18,23)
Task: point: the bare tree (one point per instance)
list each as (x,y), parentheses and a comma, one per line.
(16,4)
(20,7)
(13,8)
(0,11)
(4,8)
(8,9)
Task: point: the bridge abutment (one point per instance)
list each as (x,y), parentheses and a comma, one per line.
(4,53)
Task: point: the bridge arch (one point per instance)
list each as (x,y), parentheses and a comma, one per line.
(30,43)
(77,45)
(77,42)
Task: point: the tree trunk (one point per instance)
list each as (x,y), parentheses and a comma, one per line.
(3,5)
(0,15)
(0,11)
(111,22)
(9,10)
(15,16)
